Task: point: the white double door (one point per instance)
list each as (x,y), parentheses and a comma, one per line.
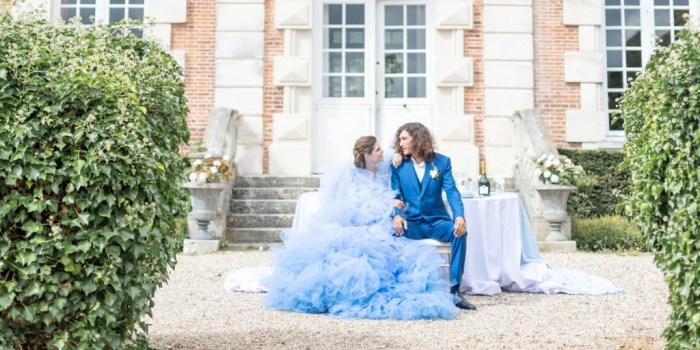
(374,73)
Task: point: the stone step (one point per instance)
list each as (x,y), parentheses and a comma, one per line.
(292,193)
(259,220)
(262,206)
(277,181)
(253,235)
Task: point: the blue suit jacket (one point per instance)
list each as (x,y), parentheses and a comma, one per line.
(425,198)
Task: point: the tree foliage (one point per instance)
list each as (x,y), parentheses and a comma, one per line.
(90,182)
(661,114)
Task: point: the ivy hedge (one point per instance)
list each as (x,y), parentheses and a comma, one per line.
(661,113)
(90,183)
(600,196)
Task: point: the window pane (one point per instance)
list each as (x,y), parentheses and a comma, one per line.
(85,14)
(335,62)
(415,38)
(662,18)
(678,17)
(632,2)
(88,2)
(334,14)
(332,87)
(136,14)
(393,39)
(416,63)
(116,15)
(631,75)
(355,14)
(614,58)
(612,18)
(415,15)
(116,2)
(355,39)
(612,2)
(613,38)
(633,37)
(612,97)
(615,80)
(632,18)
(416,87)
(393,15)
(680,2)
(138,32)
(135,2)
(634,58)
(661,2)
(355,62)
(617,125)
(393,63)
(68,2)
(334,38)
(68,13)
(664,36)
(393,87)
(355,87)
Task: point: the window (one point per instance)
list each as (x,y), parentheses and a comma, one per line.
(631,29)
(103,11)
(344,50)
(404,51)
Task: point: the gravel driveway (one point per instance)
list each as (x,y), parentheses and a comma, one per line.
(195,312)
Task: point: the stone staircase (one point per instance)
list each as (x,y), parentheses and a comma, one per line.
(261,206)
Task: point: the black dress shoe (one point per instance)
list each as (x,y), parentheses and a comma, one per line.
(462,303)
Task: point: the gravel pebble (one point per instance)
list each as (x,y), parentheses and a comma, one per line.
(193,311)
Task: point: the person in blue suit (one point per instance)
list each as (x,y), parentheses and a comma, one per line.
(419,181)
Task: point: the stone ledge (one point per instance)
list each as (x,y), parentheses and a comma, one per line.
(195,246)
(557,246)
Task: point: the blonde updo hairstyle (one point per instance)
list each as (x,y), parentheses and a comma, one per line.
(363,146)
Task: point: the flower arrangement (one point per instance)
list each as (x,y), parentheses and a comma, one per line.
(434,173)
(558,170)
(210,169)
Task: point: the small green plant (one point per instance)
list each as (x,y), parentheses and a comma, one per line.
(90,183)
(605,233)
(661,113)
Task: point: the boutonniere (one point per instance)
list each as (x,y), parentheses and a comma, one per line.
(434,173)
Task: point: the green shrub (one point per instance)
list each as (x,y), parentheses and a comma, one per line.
(90,183)
(606,233)
(661,112)
(609,183)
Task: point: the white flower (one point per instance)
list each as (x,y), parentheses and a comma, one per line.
(226,157)
(3,74)
(214,170)
(217,163)
(550,157)
(547,174)
(207,156)
(434,172)
(554,179)
(538,172)
(193,177)
(201,178)
(542,158)
(548,163)
(556,162)
(567,161)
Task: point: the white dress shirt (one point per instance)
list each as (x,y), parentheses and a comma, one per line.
(420,169)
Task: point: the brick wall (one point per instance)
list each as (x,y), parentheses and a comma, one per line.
(474,95)
(197,38)
(272,95)
(553,96)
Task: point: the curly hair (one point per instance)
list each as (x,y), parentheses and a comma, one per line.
(364,145)
(423,143)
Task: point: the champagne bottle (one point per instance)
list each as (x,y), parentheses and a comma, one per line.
(484,187)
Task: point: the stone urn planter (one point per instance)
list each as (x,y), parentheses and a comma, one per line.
(554,199)
(205,200)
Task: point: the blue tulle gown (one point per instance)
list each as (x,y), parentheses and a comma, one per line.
(347,263)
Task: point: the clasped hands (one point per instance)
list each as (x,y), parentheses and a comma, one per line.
(400,224)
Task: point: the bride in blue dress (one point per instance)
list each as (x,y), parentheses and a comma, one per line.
(347,262)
